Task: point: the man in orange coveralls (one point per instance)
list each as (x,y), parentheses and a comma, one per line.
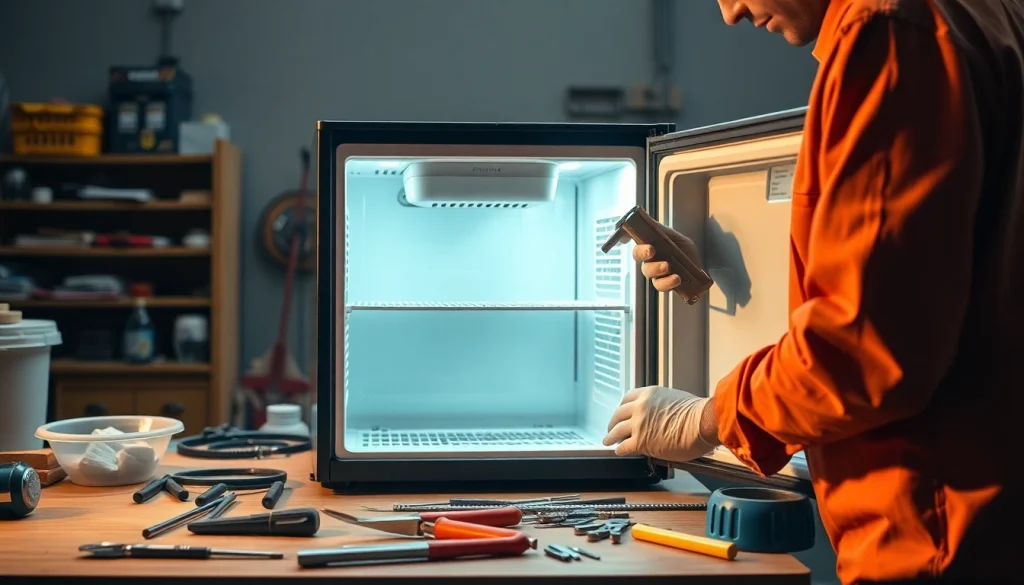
(902,371)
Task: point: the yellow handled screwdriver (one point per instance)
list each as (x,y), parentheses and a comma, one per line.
(688,542)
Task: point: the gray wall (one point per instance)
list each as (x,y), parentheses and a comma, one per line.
(272,68)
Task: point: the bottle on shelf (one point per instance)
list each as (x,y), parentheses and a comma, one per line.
(139,334)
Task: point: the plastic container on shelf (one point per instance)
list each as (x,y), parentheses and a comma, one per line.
(110,450)
(24,379)
(57,129)
(285,419)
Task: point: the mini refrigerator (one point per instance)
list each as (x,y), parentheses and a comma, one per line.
(469,326)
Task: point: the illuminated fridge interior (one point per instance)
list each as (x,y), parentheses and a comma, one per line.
(484,324)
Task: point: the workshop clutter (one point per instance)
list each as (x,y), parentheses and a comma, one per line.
(56,129)
(24,376)
(110,450)
(458,528)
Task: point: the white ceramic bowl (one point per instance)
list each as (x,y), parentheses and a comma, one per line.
(110,460)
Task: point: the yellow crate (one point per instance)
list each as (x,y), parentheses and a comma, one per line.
(57,129)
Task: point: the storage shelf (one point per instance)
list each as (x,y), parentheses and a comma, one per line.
(102,206)
(111,159)
(71,366)
(179,251)
(108,303)
(540,306)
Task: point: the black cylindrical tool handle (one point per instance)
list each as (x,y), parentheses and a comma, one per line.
(211,494)
(168,551)
(174,488)
(150,490)
(273,495)
(296,522)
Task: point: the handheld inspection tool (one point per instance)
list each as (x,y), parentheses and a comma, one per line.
(110,550)
(19,490)
(297,522)
(640,227)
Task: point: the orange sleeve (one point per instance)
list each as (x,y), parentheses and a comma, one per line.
(887,273)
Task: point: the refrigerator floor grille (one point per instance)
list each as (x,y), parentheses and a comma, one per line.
(496,438)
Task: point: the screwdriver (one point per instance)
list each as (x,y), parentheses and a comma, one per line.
(430,550)
(297,522)
(170,551)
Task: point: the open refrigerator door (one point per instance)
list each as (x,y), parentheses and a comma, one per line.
(728,187)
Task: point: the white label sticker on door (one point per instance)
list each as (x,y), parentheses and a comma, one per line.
(780,182)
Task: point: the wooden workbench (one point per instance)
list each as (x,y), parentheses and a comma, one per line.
(43,547)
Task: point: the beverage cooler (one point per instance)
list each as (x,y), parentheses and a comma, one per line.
(469,325)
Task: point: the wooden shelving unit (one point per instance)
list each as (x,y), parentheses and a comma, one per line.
(11,251)
(102,206)
(70,366)
(155,302)
(110,159)
(198,394)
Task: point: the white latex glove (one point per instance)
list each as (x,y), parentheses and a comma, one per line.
(663,423)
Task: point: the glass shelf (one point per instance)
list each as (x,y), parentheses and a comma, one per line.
(536,306)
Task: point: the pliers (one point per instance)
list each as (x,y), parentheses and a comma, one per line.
(425,524)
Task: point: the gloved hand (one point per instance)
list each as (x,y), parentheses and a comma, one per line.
(657,270)
(663,423)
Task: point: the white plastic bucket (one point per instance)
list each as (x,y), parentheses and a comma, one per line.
(25,380)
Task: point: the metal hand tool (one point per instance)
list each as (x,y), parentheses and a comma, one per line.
(412,524)
(611,528)
(584,529)
(572,554)
(555,552)
(563,518)
(447,529)
(179,520)
(427,550)
(567,523)
(223,506)
(492,502)
(561,507)
(297,522)
(109,550)
(585,553)
(618,531)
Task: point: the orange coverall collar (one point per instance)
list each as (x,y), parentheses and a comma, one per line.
(829,28)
